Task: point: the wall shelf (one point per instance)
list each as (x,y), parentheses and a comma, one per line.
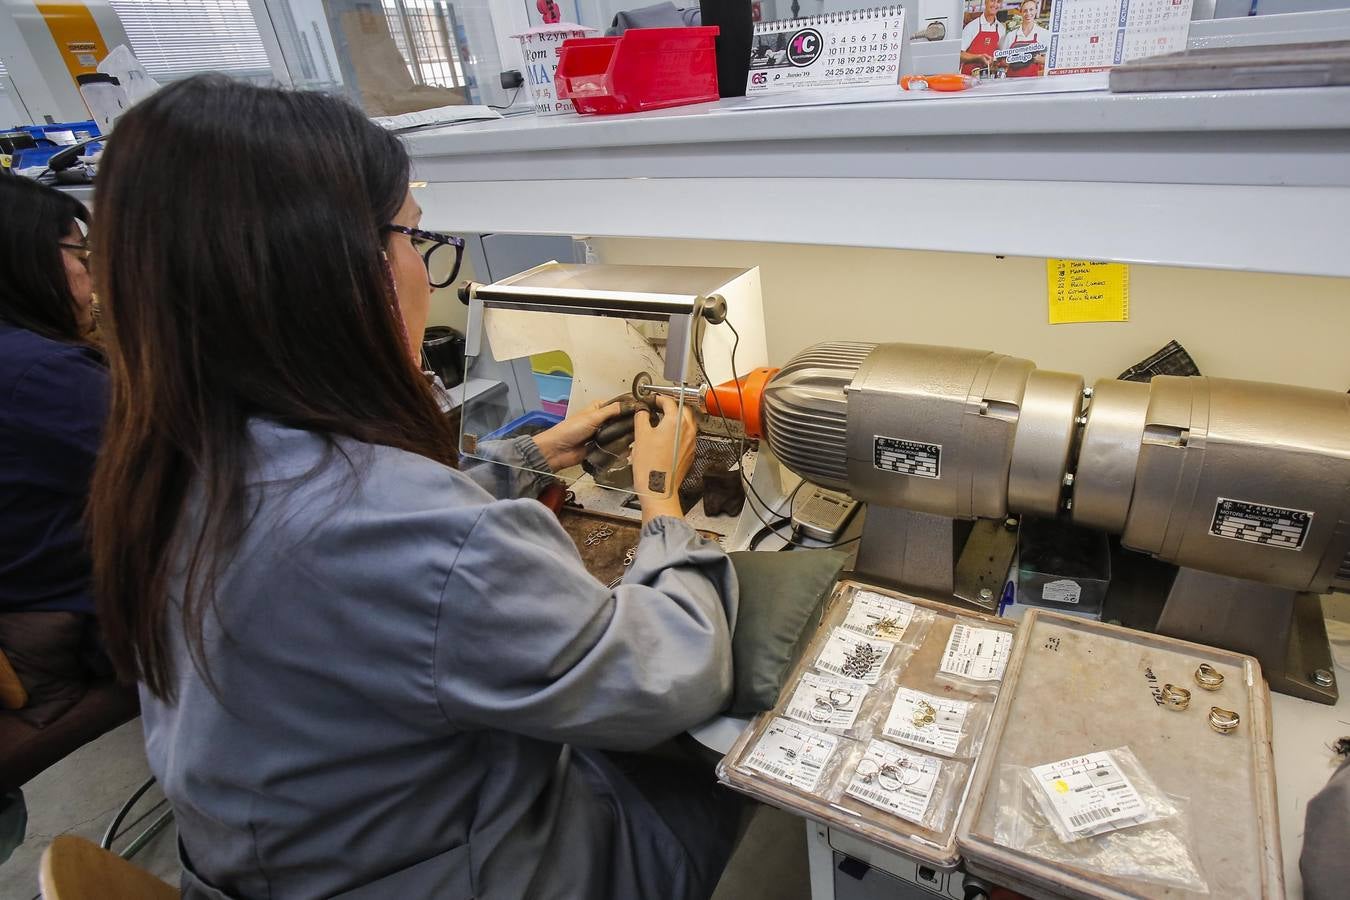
(1249,180)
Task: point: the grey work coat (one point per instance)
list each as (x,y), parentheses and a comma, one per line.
(405,670)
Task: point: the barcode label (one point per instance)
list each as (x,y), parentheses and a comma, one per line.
(877,615)
(1089,795)
(1089,817)
(909,721)
(853,656)
(826,702)
(980,654)
(895,780)
(792,753)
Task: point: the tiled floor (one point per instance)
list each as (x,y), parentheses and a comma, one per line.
(81,793)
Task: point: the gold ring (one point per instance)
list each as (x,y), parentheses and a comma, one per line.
(924,714)
(1208,677)
(1222,720)
(1174,697)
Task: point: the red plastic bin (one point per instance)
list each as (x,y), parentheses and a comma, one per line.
(643,68)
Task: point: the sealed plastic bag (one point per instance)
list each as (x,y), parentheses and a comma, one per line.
(803,758)
(976,656)
(918,788)
(877,615)
(1102,812)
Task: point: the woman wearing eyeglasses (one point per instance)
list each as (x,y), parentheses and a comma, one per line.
(53,402)
(365,673)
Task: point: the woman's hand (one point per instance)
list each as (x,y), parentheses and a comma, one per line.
(564,445)
(658,487)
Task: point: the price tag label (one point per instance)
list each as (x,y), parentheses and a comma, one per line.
(853,656)
(877,615)
(980,654)
(792,753)
(895,780)
(1089,794)
(926,721)
(826,702)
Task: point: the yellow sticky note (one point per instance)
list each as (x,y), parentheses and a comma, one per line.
(1084,291)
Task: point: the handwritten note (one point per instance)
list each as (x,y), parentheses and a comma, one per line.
(1084,291)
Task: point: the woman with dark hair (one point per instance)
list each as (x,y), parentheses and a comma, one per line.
(53,402)
(364,672)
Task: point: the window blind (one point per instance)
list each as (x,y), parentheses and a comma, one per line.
(177,38)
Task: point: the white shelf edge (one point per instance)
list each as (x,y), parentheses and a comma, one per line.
(1289,230)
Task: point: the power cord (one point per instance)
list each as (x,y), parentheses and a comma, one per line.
(793,540)
(510,103)
(784,519)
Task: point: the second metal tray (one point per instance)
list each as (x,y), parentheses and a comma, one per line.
(1075,686)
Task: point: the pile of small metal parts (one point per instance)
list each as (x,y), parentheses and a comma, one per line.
(860,662)
(886,627)
(628,556)
(599,535)
(925,714)
(1224,721)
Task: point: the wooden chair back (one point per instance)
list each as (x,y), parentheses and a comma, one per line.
(76,869)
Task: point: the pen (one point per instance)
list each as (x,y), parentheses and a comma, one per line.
(944,82)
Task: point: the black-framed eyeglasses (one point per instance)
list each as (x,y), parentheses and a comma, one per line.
(430,244)
(82,251)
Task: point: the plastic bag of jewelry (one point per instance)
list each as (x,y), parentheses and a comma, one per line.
(875,614)
(881,777)
(796,755)
(1100,811)
(847,654)
(941,722)
(975,656)
(837,705)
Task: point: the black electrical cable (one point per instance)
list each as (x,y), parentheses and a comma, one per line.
(785,519)
(794,539)
(510,103)
(771,528)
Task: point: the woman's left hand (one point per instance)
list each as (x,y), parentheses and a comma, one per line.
(564,445)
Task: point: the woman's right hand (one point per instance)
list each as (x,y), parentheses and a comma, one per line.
(657,486)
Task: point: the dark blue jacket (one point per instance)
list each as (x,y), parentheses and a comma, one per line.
(53,402)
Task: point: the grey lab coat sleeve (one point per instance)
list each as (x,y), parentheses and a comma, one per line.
(1323,863)
(527,641)
(499,476)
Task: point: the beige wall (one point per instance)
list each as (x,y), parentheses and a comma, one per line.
(1294,330)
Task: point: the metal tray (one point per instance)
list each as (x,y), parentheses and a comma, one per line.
(935,848)
(605,559)
(1075,686)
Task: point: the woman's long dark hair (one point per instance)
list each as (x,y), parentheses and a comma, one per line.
(34,290)
(242,275)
